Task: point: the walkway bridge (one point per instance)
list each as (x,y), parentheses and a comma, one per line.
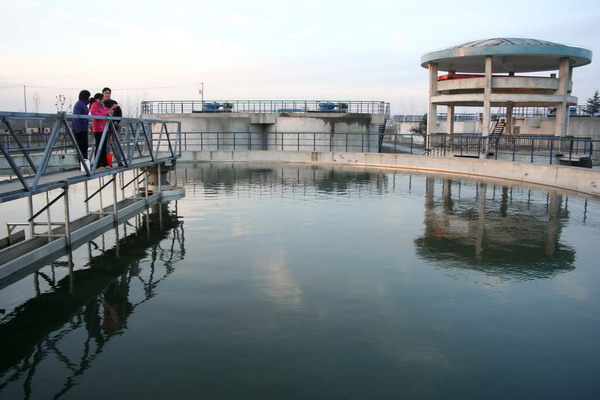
(50,163)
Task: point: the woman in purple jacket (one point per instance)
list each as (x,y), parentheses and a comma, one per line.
(80,125)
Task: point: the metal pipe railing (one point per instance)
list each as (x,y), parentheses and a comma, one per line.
(545,150)
(265,106)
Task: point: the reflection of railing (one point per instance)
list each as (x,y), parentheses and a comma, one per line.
(265,106)
(98,302)
(133,144)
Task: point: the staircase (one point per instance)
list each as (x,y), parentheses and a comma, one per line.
(498,128)
(381,134)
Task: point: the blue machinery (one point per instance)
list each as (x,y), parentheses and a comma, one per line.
(38,163)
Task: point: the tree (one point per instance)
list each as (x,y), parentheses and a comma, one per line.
(421,128)
(593,104)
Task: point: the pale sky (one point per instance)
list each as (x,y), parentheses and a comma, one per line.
(263,49)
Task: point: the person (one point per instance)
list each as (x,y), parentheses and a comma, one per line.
(109,102)
(98,108)
(81,125)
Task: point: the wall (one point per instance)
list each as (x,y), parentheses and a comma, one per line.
(580,180)
(323,123)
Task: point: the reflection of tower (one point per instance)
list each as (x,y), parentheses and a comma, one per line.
(480,229)
(553,226)
(513,235)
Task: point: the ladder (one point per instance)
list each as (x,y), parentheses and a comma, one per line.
(498,128)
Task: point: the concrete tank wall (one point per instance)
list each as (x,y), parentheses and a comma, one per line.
(307,131)
(580,180)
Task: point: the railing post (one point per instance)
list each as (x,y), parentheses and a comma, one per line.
(570,150)
(551,149)
(496,148)
(444,146)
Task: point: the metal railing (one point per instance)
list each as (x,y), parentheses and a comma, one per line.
(574,111)
(265,106)
(543,150)
(134,143)
(281,141)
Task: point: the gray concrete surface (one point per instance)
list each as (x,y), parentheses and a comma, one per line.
(575,179)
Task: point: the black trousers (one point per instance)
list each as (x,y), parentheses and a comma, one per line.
(102,162)
(82,142)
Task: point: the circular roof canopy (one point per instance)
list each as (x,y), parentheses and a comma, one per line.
(510,55)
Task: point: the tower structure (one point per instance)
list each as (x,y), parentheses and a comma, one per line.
(484,73)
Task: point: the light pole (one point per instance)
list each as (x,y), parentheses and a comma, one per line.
(202,93)
(25,101)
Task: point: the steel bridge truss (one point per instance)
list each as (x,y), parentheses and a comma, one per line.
(28,157)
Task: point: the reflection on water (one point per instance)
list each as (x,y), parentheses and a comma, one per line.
(91,303)
(501,231)
(319,282)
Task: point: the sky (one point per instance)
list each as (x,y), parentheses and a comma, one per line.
(262,49)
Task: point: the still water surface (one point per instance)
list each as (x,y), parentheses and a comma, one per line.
(295,282)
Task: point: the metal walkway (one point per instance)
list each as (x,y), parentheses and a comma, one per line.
(37,163)
(28,158)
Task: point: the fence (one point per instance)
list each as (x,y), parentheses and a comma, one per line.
(265,106)
(545,150)
(574,111)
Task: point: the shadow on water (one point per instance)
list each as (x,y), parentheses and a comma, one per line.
(93,302)
(510,237)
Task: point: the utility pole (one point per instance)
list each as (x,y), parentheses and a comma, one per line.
(25,101)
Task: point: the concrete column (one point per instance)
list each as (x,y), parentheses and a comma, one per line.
(509,117)
(562,111)
(433,85)
(450,120)
(487,104)
(487,95)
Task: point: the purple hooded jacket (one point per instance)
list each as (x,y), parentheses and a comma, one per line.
(81,124)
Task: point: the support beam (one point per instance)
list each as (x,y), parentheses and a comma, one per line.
(433,91)
(562,110)
(487,104)
(509,118)
(450,120)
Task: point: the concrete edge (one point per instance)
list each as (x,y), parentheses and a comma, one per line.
(575,179)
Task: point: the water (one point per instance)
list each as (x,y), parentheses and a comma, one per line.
(271,281)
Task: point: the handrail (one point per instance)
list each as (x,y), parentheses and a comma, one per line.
(265,106)
(546,150)
(133,143)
